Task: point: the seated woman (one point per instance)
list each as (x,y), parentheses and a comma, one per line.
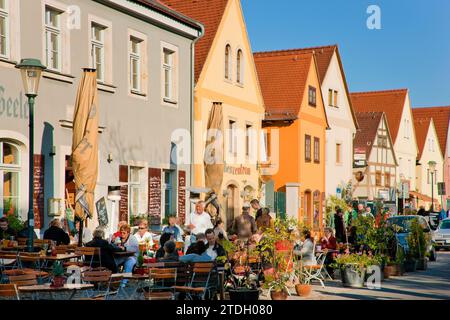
(162,241)
(128,243)
(143,235)
(306,251)
(174,229)
(264,220)
(329,242)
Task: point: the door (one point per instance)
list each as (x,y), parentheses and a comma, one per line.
(280,204)
(9,178)
(232,205)
(308,209)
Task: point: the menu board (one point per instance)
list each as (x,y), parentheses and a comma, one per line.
(182,196)
(123,203)
(154,195)
(102,212)
(38,192)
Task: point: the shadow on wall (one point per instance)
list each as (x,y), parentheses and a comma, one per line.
(49,166)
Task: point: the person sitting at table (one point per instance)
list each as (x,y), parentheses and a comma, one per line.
(219,229)
(306,250)
(174,229)
(6,232)
(116,235)
(55,233)
(162,241)
(213,249)
(143,235)
(170,252)
(128,243)
(106,250)
(201,237)
(328,242)
(24,232)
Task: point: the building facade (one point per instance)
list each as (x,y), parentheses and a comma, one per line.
(225,74)
(375,164)
(295,122)
(143,56)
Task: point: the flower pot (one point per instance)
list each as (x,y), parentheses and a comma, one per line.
(351,277)
(303,290)
(58,282)
(394,270)
(244,294)
(410,265)
(278,295)
(422,264)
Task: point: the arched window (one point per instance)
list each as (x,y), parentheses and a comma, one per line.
(9,178)
(239,66)
(228,62)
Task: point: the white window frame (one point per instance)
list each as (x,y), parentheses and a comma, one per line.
(4,14)
(135,58)
(107,76)
(134,186)
(142,92)
(49,31)
(173,67)
(168,73)
(240,67)
(249,140)
(14,168)
(232,137)
(98,44)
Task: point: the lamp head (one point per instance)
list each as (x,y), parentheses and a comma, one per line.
(31,70)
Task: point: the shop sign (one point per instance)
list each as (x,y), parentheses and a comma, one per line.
(13,108)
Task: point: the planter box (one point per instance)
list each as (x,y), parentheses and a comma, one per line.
(351,278)
(410,265)
(244,294)
(422,264)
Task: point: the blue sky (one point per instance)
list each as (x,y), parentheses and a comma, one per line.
(412,49)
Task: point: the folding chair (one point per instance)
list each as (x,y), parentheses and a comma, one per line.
(314,272)
(32,259)
(100,280)
(25,280)
(201,283)
(162,279)
(62,249)
(86,257)
(8,261)
(9,291)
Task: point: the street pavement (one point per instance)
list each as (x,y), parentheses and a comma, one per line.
(434,283)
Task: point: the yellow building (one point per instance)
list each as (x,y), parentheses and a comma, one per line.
(225,73)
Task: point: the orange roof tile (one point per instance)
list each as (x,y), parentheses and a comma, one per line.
(389,101)
(283,79)
(207,12)
(440,117)
(421,126)
(368,127)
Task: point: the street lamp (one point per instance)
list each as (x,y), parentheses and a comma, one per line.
(432,168)
(31,70)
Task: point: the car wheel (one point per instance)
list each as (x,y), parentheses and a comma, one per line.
(433,256)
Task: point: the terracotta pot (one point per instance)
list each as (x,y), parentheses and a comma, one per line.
(303,290)
(58,282)
(278,295)
(394,270)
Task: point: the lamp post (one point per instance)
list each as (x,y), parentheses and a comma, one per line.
(432,168)
(31,70)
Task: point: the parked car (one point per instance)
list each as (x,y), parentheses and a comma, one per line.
(441,236)
(404,222)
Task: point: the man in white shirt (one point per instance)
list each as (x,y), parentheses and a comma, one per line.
(200,220)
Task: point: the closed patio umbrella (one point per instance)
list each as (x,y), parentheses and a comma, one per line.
(85,146)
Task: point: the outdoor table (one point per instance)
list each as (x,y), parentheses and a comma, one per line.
(124,253)
(138,279)
(59,257)
(36,289)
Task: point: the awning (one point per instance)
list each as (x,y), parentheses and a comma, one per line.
(422,197)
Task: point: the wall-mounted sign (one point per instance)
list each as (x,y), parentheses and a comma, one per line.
(102,212)
(154,195)
(237,170)
(13,107)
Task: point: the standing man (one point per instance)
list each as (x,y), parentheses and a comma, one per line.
(244,226)
(200,220)
(257,207)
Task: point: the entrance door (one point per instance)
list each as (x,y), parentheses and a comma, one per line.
(280,204)
(308,207)
(232,205)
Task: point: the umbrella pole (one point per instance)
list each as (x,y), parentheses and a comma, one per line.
(80,233)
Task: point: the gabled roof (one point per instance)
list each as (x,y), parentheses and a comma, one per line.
(368,128)
(207,12)
(389,101)
(440,117)
(323,55)
(283,79)
(421,125)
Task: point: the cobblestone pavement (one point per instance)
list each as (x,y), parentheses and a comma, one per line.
(434,283)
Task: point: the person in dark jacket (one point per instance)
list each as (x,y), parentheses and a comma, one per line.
(257,207)
(24,232)
(57,234)
(162,241)
(170,252)
(106,250)
(339,226)
(213,249)
(6,231)
(201,239)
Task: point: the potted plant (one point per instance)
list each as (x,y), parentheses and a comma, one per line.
(302,285)
(276,283)
(353,269)
(396,266)
(59,278)
(417,245)
(139,269)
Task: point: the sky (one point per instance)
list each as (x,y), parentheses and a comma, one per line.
(411,50)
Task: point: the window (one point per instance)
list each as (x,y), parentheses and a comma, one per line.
(4,30)
(316,150)
(387,179)
(168,66)
(248,139)
(382,142)
(228,62)
(98,50)
(9,178)
(312,96)
(338,153)
(378,178)
(307,148)
(239,67)
(330,97)
(409,169)
(135,190)
(406,122)
(135,64)
(53,38)
(335,98)
(232,138)
(168,192)
(265,152)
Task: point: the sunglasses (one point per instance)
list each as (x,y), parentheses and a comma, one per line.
(142,228)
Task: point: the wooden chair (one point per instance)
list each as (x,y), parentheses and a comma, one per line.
(201,283)
(9,291)
(8,261)
(100,280)
(86,257)
(163,278)
(22,241)
(62,249)
(41,242)
(165,295)
(24,280)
